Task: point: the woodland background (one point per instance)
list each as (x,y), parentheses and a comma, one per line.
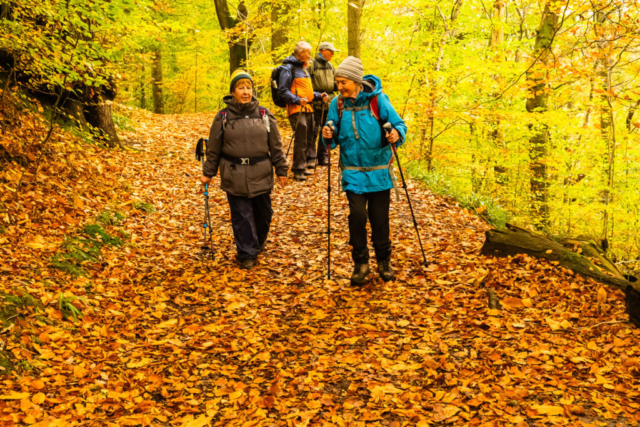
(521,110)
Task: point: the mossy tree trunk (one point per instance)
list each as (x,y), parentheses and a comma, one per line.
(538,103)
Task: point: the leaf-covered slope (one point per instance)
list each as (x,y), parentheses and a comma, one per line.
(168,336)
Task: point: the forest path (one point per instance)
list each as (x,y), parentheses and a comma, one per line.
(281,343)
(171,336)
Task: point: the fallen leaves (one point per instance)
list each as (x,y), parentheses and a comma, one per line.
(169,336)
(14,396)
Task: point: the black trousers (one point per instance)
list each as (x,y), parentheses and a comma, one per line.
(319,120)
(250,219)
(376,207)
(303,146)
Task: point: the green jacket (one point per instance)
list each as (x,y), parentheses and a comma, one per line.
(322,78)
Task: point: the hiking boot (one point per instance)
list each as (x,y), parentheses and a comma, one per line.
(310,171)
(360,272)
(299,176)
(323,162)
(247,264)
(385,271)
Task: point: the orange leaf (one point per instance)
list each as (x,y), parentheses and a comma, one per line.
(79,372)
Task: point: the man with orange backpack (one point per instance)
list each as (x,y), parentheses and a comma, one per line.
(296,91)
(356,122)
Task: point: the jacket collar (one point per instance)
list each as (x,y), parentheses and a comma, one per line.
(321,59)
(293,61)
(237,108)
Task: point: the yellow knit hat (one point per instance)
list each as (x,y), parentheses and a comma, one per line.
(239,75)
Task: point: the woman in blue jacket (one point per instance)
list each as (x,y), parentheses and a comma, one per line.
(365,161)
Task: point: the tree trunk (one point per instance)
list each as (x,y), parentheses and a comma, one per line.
(4,11)
(75,110)
(497,38)
(537,102)
(606,115)
(447,33)
(238,45)
(522,14)
(237,56)
(143,89)
(630,114)
(497,32)
(280,22)
(354,14)
(514,240)
(158,96)
(99,116)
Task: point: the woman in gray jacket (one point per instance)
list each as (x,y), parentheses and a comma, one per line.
(244,144)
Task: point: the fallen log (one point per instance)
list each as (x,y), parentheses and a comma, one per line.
(585,258)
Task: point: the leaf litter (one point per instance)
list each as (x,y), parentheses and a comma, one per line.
(166,336)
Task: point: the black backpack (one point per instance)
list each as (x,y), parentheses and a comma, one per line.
(275,78)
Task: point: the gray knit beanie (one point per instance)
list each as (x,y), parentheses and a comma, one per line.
(351,68)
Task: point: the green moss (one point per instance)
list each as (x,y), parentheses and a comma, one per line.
(95,230)
(67,266)
(123,122)
(142,206)
(78,251)
(6,365)
(13,306)
(110,218)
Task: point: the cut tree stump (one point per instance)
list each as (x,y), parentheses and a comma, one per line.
(590,262)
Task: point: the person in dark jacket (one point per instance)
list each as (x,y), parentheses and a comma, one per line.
(365,161)
(323,80)
(294,87)
(244,145)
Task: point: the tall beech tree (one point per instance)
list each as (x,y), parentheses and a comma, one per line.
(235,32)
(537,103)
(354,17)
(156,82)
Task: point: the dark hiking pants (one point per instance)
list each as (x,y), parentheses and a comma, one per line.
(303,140)
(319,120)
(250,219)
(375,206)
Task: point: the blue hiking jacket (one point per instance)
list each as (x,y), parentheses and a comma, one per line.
(367,149)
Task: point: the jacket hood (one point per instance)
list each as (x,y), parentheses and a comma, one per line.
(371,85)
(238,108)
(293,61)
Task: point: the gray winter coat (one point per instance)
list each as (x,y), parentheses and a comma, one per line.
(245,136)
(322,78)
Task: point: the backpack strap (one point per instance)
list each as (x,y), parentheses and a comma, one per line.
(375,110)
(265,118)
(340,110)
(315,66)
(224,113)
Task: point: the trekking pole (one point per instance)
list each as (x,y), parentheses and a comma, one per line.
(320,129)
(200,154)
(207,223)
(330,124)
(387,128)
